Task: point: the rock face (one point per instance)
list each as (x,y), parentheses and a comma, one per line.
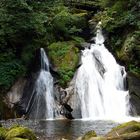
(15,92)
(134,92)
(8,101)
(124,128)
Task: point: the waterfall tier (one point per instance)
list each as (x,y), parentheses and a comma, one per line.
(37,101)
(44,90)
(99,83)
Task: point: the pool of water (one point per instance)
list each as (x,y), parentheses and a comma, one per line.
(58,129)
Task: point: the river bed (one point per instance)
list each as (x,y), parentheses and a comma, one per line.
(58,129)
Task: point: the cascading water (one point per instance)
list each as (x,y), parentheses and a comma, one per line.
(99,83)
(44,88)
(40,104)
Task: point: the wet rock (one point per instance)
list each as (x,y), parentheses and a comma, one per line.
(127,136)
(134,92)
(15,92)
(20,132)
(85,45)
(124,128)
(66,111)
(89,135)
(5,111)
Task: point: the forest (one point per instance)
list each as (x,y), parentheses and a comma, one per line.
(63,28)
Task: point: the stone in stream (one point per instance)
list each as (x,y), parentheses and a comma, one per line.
(125,131)
(124,128)
(89,134)
(20,132)
(2,133)
(16,133)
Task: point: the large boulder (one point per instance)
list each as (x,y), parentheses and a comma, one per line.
(89,135)
(125,131)
(20,133)
(125,128)
(134,92)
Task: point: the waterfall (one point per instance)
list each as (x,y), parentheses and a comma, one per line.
(44,88)
(39,100)
(99,83)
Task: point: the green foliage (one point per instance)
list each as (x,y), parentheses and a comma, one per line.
(28,25)
(64,56)
(134,69)
(10,69)
(9,72)
(119,14)
(121,20)
(125,128)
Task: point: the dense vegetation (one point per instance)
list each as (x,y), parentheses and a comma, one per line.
(121,20)
(27,25)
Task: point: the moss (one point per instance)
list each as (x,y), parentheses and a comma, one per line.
(64,56)
(89,135)
(18,139)
(125,128)
(2,133)
(127,48)
(20,132)
(130,52)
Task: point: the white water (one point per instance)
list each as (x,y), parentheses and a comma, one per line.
(44,88)
(100,83)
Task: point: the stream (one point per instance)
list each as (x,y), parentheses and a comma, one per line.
(58,129)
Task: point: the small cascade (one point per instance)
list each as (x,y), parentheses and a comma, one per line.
(44,89)
(100,83)
(38,99)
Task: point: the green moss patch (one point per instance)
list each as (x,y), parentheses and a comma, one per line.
(124,128)
(89,135)
(20,132)
(64,56)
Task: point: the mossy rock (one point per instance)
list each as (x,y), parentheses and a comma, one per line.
(3,132)
(125,53)
(99,138)
(124,128)
(89,135)
(64,56)
(20,132)
(19,139)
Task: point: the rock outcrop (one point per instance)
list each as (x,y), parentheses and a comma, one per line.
(134,93)
(16,133)
(125,131)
